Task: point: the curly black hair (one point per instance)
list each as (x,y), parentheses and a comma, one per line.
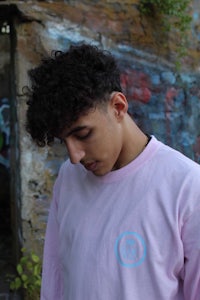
(65,86)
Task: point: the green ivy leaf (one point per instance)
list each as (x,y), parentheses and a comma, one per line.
(35,258)
(24,278)
(19,269)
(17,283)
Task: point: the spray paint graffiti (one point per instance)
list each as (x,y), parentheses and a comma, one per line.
(197,149)
(165,104)
(4,131)
(136,86)
(171,93)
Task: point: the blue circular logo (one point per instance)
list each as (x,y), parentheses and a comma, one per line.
(130,249)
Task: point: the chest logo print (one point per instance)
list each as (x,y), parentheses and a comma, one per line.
(130,249)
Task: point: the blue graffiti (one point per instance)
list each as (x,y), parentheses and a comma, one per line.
(4,131)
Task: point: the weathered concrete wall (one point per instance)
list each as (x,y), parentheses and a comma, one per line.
(162,101)
(119,23)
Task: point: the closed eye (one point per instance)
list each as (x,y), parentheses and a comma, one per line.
(83,136)
(80,133)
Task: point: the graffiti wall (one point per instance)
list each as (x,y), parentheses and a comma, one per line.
(165,104)
(4,132)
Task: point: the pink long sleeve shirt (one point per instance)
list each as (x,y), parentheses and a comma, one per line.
(133,234)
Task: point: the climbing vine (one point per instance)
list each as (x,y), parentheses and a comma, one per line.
(174,16)
(28,276)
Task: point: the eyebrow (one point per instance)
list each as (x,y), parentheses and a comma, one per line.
(76,129)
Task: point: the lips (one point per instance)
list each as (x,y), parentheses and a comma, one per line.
(91,166)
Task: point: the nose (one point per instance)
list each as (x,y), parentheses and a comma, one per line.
(75,151)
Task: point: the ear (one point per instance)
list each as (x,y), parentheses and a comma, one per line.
(119,104)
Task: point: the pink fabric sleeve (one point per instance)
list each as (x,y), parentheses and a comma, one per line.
(191,242)
(52,283)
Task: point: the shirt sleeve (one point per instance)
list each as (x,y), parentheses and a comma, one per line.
(52,278)
(191,243)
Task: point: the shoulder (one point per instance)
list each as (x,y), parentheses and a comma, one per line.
(175,161)
(176,174)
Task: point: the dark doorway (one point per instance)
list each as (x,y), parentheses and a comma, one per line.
(5,208)
(9,166)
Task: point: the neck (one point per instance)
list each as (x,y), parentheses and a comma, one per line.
(134,143)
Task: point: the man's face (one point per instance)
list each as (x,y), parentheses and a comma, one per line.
(95,140)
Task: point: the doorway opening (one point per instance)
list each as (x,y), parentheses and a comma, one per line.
(10,224)
(5,215)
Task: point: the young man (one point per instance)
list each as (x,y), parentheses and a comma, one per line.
(124,221)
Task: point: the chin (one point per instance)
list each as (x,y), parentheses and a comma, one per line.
(101,172)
